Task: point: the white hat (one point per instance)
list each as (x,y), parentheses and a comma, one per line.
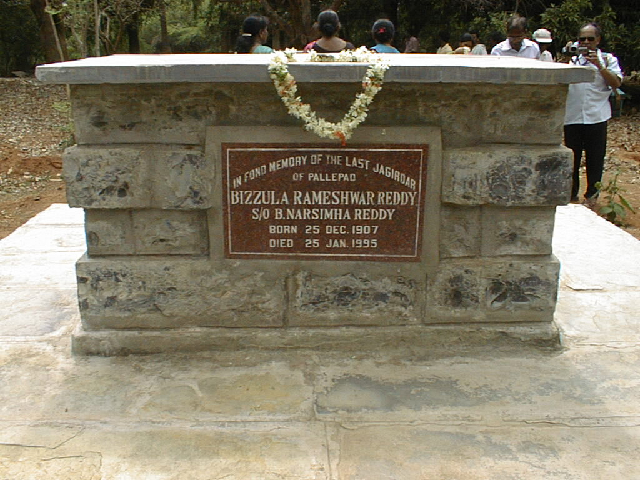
(542,35)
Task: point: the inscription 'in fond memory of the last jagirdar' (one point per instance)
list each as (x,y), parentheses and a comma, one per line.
(317,202)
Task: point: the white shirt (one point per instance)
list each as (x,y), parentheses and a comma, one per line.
(479,49)
(528,49)
(588,103)
(546,56)
(445,49)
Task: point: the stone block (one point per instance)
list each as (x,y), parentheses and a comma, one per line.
(506,175)
(534,117)
(170,232)
(106,177)
(109,232)
(514,287)
(162,292)
(141,176)
(493,290)
(179,113)
(354,300)
(517,231)
(181,179)
(456,290)
(169,113)
(456,109)
(435,339)
(460,231)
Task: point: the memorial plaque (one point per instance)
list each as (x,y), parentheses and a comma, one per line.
(314,202)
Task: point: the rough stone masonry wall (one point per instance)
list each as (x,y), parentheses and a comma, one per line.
(142,175)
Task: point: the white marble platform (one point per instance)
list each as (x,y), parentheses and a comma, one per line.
(487,413)
(231,68)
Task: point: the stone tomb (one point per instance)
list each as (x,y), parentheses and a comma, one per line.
(213,220)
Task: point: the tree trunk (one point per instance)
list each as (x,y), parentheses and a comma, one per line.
(105,39)
(80,34)
(298,29)
(165,45)
(133,34)
(53,42)
(97,15)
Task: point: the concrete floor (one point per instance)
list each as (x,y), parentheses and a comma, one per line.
(487,412)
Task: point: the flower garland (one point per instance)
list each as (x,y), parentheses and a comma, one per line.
(287,90)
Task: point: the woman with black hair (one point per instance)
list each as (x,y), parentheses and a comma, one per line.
(254,34)
(383,32)
(329,25)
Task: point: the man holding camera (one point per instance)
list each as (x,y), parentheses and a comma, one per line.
(588,110)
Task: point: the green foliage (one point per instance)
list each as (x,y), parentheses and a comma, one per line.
(613,33)
(616,206)
(564,20)
(65,108)
(628,50)
(189,39)
(213,25)
(79,18)
(357,20)
(493,22)
(620,27)
(223,21)
(186,26)
(62,107)
(19,37)
(624,40)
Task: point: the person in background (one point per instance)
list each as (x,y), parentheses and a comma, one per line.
(383,32)
(254,34)
(494,39)
(542,36)
(412,45)
(566,53)
(478,48)
(444,43)
(329,26)
(588,110)
(465,45)
(516,44)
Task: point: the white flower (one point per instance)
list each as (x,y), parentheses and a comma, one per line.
(285,85)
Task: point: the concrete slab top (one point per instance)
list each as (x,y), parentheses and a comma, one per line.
(410,68)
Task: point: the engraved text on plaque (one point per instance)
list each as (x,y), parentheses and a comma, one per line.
(305,202)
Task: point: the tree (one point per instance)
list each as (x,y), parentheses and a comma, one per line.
(294,18)
(52,31)
(565,20)
(124,18)
(19,37)
(80,18)
(95,27)
(165,44)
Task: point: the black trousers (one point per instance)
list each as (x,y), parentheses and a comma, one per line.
(592,139)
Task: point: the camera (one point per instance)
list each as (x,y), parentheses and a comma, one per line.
(575,50)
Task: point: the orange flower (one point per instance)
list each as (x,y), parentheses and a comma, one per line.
(343,140)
